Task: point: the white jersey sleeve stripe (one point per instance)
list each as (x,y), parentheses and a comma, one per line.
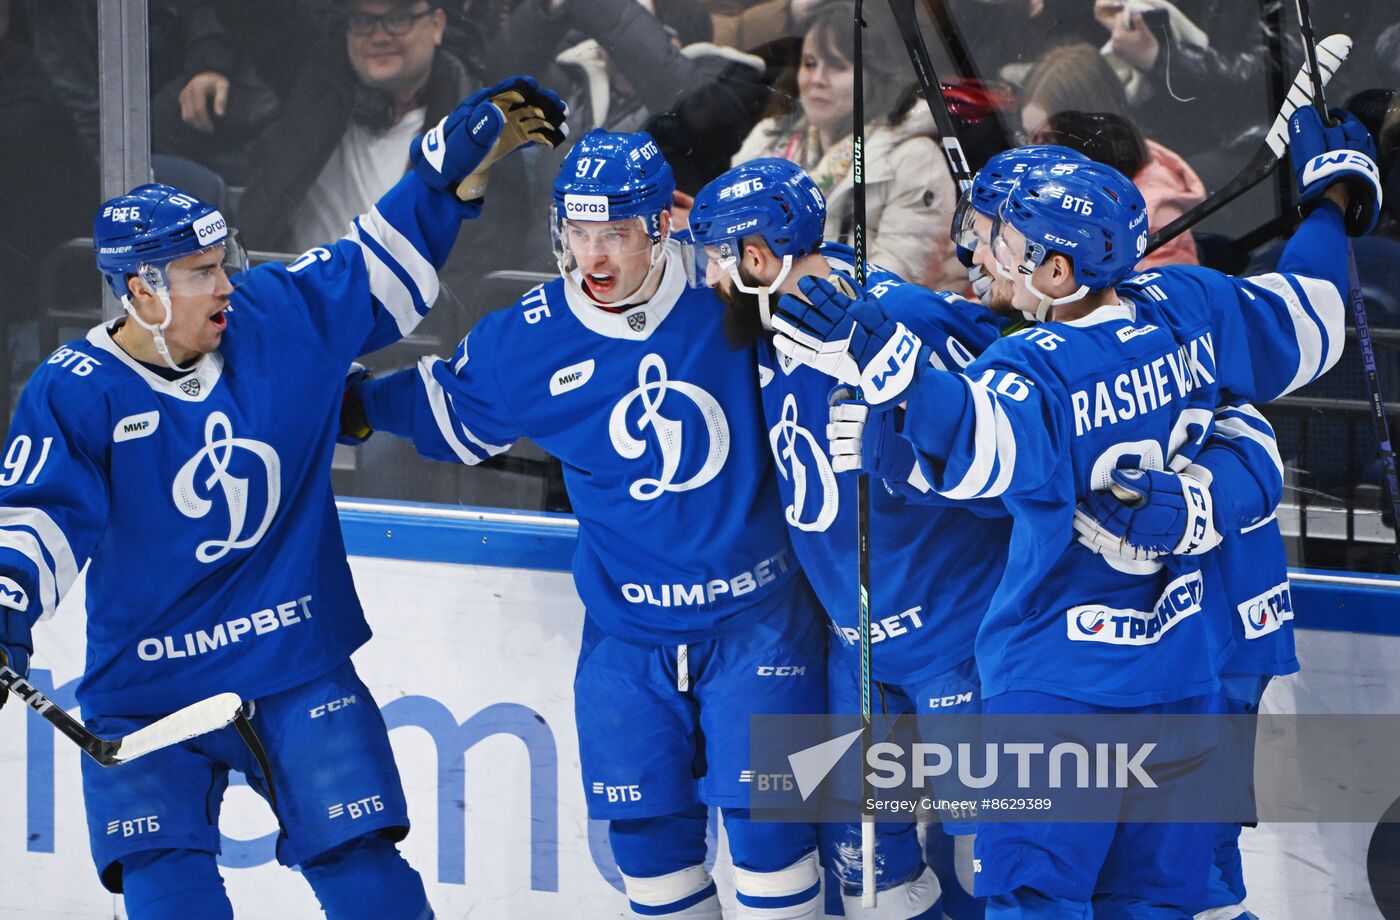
(1306,332)
(1330,312)
(1229,425)
(384,284)
(1006,452)
(984,452)
(453,431)
(918,480)
(26,545)
(398,246)
(51,538)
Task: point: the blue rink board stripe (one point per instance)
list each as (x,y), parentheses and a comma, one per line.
(1338,601)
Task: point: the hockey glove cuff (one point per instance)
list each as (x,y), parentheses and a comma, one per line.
(845,334)
(1160,512)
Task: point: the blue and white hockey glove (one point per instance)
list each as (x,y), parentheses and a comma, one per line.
(16,659)
(857,442)
(846,335)
(1156,512)
(459,150)
(355,428)
(1345,152)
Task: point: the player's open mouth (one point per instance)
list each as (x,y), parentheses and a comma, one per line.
(220,319)
(601,284)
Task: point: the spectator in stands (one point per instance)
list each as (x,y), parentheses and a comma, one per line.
(338,143)
(1194,62)
(240,58)
(1007,37)
(1167,182)
(910,194)
(621,68)
(1072,76)
(47,181)
(636,60)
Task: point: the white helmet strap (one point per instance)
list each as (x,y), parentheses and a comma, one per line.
(1047,303)
(155,283)
(764,292)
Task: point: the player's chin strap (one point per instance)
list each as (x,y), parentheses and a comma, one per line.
(1048,303)
(574,277)
(156,287)
(763,292)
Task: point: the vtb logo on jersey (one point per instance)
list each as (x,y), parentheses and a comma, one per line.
(792,466)
(207,474)
(1267,612)
(669,433)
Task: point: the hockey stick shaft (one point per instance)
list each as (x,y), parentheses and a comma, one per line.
(1334,50)
(867,820)
(908,23)
(196,719)
(1358,302)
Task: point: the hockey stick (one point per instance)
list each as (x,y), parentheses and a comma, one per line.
(207,715)
(1358,304)
(1331,52)
(867,818)
(908,24)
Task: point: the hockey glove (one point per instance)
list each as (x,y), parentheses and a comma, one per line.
(17,660)
(354,426)
(846,335)
(1343,152)
(459,150)
(1111,546)
(858,442)
(1159,512)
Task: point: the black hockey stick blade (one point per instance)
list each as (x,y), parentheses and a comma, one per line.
(207,715)
(1331,52)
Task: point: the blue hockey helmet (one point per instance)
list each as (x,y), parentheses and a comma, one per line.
(1087,211)
(994,180)
(151,226)
(767,197)
(611,177)
(142,232)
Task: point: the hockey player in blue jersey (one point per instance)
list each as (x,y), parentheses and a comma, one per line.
(696,613)
(1240,473)
(1024,417)
(183,454)
(758,228)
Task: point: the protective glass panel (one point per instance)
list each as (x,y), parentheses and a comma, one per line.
(298,118)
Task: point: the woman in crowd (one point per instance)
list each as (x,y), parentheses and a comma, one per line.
(910,194)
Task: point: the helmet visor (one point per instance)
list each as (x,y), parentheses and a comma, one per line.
(1012,252)
(202,273)
(583,244)
(971,228)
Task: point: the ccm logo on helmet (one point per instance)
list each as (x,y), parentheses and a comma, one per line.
(586,207)
(211,228)
(741,227)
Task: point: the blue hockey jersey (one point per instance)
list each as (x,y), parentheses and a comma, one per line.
(203,506)
(933,566)
(1043,415)
(1245,474)
(659,428)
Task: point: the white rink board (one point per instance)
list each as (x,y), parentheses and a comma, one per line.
(450,640)
(497,646)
